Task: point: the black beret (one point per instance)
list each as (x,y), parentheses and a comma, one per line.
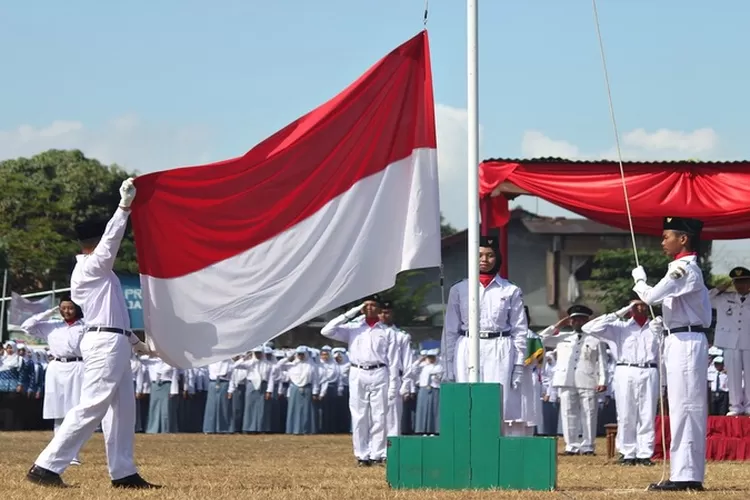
(90,229)
(374,298)
(490,242)
(683,224)
(386,304)
(739,273)
(579,310)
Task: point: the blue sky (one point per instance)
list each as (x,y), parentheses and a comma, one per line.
(153,85)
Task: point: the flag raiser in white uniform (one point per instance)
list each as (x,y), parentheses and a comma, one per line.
(686,308)
(107,392)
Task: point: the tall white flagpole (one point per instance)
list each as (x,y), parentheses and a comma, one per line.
(2,302)
(472,61)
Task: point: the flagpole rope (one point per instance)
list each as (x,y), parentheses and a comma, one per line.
(426,10)
(632,231)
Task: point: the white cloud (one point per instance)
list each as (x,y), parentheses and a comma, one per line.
(126,140)
(537,145)
(698,141)
(638,144)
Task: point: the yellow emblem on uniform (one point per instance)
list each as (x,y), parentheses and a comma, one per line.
(737,272)
(669,219)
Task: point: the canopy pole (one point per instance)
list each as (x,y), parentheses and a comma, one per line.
(472,62)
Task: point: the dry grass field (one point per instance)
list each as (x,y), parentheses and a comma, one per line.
(197,467)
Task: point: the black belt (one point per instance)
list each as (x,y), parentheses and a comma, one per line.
(639,365)
(109,329)
(67,360)
(487,335)
(683,329)
(369,367)
(161,382)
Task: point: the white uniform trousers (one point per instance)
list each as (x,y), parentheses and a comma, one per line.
(107,396)
(393,418)
(368,403)
(636,395)
(496,361)
(578,410)
(737,363)
(686,359)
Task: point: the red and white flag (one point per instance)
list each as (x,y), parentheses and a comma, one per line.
(322,213)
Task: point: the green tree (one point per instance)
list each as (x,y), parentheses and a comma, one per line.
(445,227)
(43,198)
(408,297)
(611,277)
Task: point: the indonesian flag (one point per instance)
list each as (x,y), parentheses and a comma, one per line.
(324,212)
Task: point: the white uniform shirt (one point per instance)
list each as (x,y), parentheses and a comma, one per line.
(64,340)
(160,372)
(93,284)
(581,360)
(635,344)
(429,374)
(500,310)
(220,370)
(368,345)
(258,371)
(684,300)
(732,319)
(301,373)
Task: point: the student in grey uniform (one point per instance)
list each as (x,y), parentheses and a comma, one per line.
(218,413)
(304,388)
(162,408)
(236,393)
(429,376)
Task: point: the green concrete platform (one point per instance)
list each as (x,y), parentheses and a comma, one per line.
(470,452)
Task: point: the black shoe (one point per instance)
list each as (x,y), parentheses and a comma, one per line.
(568,453)
(645,461)
(677,486)
(134,481)
(364,463)
(627,461)
(380,461)
(44,477)
(589,453)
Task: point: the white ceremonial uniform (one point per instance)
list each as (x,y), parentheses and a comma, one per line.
(373,380)
(396,405)
(635,383)
(581,366)
(685,304)
(502,333)
(107,393)
(732,334)
(64,377)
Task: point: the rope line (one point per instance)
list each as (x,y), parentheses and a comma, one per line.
(632,231)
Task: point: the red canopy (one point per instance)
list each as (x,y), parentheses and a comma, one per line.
(718,193)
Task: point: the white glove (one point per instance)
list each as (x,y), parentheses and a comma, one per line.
(141,348)
(622,312)
(517,376)
(657,325)
(127,193)
(391,394)
(639,274)
(354,312)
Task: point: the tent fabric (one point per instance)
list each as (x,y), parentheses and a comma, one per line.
(716,193)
